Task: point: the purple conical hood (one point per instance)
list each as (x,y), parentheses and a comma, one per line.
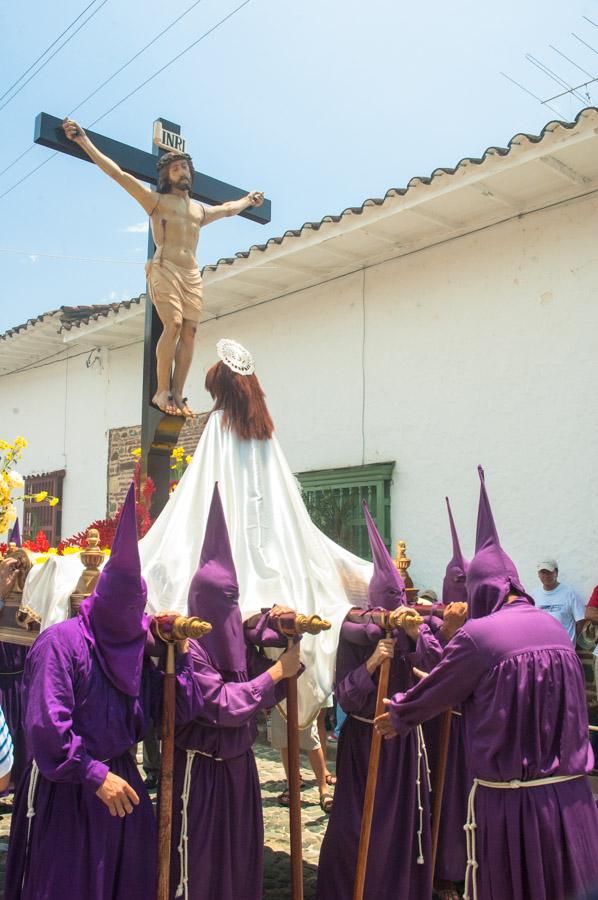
(214,594)
(453,586)
(387,588)
(15,534)
(113,615)
(492,575)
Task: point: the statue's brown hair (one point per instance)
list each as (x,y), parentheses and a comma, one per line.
(242,401)
(164,162)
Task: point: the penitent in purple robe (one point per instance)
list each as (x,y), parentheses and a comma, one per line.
(393,868)
(78,727)
(12,666)
(225,829)
(399,861)
(522,694)
(218,830)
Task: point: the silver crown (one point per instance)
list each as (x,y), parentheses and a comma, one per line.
(235,356)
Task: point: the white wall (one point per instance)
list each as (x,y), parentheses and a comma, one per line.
(65,410)
(482,349)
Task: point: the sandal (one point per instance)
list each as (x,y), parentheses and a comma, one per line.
(284,799)
(330,778)
(326,802)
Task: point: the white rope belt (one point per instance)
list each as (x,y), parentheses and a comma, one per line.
(422,758)
(471,824)
(422,761)
(183,848)
(33,780)
(362,719)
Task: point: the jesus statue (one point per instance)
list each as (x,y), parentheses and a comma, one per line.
(173,277)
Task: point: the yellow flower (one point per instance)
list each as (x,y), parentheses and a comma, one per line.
(188,458)
(136,452)
(20,441)
(53,501)
(41,559)
(68,551)
(41,495)
(52,551)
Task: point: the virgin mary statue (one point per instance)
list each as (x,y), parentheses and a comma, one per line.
(280,556)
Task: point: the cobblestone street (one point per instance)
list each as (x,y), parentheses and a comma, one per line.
(276,824)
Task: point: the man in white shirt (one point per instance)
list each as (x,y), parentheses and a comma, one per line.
(560,600)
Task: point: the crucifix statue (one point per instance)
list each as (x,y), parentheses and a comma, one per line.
(173,277)
(174,282)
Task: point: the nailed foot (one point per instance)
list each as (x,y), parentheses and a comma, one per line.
(181,402)
(164,401)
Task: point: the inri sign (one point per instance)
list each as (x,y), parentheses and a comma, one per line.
(168,140)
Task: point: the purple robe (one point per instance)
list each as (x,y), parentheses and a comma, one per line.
(451,857)
(521,688)
(78,726)
(393,868)
(12,665)
(225,829)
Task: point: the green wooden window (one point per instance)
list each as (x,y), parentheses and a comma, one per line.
(333,498)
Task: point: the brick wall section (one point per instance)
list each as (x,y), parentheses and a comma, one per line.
(121,463)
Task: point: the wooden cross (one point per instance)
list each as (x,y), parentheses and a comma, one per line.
(159,433)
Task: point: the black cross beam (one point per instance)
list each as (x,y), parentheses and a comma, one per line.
(159,433)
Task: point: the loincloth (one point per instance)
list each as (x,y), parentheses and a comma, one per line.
(180,289)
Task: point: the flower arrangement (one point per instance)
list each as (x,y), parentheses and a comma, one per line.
(11,480)
(179,462)
(107,527)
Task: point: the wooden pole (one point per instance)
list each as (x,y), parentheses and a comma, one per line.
(294,788)
(444,741)
(370,787)
(166,770)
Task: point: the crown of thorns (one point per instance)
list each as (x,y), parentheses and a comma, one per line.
(172,156)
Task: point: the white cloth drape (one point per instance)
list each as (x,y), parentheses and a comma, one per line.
(280,556)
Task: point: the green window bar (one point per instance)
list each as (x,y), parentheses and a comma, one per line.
(333,499)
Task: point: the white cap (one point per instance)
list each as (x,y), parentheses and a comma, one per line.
(550,565)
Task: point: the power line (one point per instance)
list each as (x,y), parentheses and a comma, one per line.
(174,59)
(51,57)
(46,255)
(104,83)
(128,96)
(41,56)
(136,56)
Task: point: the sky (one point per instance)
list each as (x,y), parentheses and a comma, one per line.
(321,104)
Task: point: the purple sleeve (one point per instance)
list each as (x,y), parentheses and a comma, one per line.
(231,704)
(365,634)
(58,751)
(428,650)
(257,664)
(450,682)
(355,689)
(262,635)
